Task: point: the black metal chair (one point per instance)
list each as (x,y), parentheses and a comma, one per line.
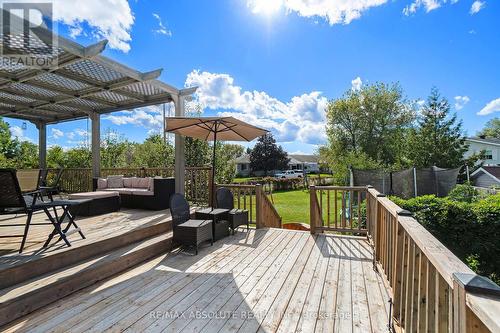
(187,231)
(12,201)
(236,217)
(50,189)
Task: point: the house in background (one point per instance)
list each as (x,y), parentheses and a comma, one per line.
(486,176)
(490,146)
(308,163)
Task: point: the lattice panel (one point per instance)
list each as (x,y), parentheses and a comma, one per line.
(112,97)
(17,98)
(21,87)
(95,71)
(143,88)
(62,82)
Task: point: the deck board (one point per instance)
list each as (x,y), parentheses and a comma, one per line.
(95,228)
(267,280)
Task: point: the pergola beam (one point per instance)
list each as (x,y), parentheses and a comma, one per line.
(42,145)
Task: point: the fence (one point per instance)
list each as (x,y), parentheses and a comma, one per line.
(408,183)
(431,290)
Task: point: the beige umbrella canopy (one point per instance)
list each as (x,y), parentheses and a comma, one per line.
(213,129)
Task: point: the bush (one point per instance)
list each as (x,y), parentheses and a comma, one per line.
(464,193)
(470,228)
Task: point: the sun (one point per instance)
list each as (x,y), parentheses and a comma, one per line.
(266,7)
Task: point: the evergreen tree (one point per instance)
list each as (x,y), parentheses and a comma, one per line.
(267,155)
(438,139)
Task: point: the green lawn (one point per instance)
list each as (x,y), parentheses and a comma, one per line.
(293,206)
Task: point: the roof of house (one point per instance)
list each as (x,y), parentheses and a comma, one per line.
(295,159)
(491,141)
(245,158)
(492,171)
(305,158)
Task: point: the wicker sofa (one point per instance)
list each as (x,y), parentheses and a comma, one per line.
(142,193)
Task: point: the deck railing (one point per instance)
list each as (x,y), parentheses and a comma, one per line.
(80,179)
(262,212)
(338,208)
(430,288)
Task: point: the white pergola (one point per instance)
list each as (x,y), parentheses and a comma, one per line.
(83,84)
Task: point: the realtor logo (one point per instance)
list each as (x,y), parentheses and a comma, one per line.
(28,39)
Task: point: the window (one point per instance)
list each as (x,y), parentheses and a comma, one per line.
(488,154)
(244,166)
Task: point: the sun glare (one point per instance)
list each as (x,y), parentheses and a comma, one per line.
(266,7)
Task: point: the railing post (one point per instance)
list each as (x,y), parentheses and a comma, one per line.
(312,208)
(258,206)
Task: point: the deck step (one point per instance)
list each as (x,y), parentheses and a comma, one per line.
(18,273)
(25,297)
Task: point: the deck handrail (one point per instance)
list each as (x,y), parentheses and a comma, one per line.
(347,214)
(428,285)
(253,198)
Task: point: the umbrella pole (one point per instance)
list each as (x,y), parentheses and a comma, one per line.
(212,204)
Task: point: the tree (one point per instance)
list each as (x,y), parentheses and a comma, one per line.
(438,139)
(225,154)
(491,129)
(153,153)
(367,129)
(266,155)
(8,147)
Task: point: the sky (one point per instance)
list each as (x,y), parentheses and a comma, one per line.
(277,63)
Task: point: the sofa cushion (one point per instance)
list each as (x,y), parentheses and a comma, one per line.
(141,183)
(121,190)
(115,181)
(93,195)
(142,191)
(128,181)
(102,183)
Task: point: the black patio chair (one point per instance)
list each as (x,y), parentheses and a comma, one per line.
(13,201)
(236,217)
(50,189)
(187,231)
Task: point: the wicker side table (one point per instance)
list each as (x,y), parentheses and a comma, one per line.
(193,233)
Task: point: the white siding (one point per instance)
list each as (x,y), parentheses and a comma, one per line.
(476,147)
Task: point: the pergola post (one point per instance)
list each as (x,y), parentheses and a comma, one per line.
(180,158)
(96,144)
(42,145)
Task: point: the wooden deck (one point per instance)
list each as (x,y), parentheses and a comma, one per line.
(96,228)
(266,280)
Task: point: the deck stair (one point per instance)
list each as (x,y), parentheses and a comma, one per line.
(33,284)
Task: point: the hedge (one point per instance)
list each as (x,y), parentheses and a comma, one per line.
(469,228)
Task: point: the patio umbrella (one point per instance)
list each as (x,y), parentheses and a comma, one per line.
(213,129)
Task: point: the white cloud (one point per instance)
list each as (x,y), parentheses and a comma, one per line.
(461,101)
(110,19)
(148,117)
(428,5)
(476,7)
(302,118)
(356,84)
(161,30)
(56,133)
(334,12)
(18,133)
(493,106)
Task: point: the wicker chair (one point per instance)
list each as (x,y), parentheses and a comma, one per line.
(187,231)
(236,217)
(12,201)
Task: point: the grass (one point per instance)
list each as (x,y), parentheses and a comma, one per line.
(293,206)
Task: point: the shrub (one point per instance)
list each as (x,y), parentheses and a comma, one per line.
(464,193)
(469,228)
